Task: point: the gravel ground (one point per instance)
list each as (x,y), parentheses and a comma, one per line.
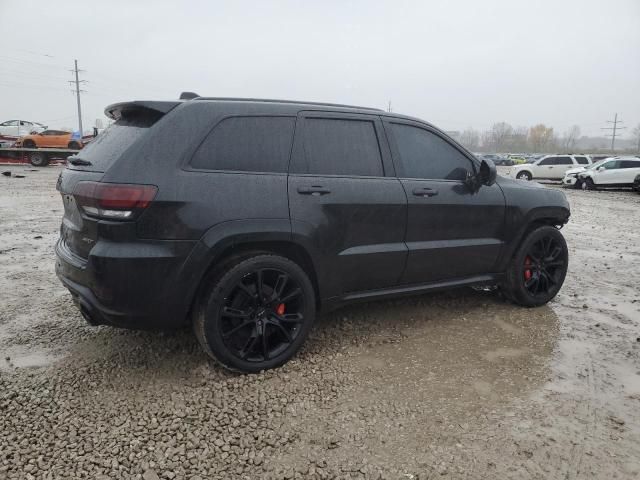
(453,385)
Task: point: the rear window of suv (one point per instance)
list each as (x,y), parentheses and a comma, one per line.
(109,145)
(248,144)
(582,160)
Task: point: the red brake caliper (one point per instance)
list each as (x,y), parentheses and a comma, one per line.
(527,271)
(280,309)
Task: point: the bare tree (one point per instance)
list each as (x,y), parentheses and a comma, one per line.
(541,138)
(635,134)
(570,138)
(498,136)
(470,138)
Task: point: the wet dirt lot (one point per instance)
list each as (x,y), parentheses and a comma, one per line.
(452,385)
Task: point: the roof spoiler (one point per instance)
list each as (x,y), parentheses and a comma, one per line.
(116,111)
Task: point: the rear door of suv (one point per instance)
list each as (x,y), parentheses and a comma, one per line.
(452,232)
(346,205)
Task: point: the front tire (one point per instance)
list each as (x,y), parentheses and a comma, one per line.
(256,313)
(538,268)
(588,184)
(29,144)
(524,176)
(73,145)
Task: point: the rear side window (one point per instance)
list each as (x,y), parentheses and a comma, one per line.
(248,144)
(424,154)
(334,146)
(630,164)
(582,160)
(564,161)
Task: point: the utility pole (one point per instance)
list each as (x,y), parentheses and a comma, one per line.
(77,91)
(615,128)
(389,107)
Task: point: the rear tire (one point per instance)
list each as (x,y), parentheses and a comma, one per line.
(29,144)
(538,268)
(524,176)
(256,313)
(74,146)
(38,159)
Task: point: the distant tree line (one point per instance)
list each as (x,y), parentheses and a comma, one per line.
(502,137)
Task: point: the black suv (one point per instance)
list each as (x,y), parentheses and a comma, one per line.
(245,217)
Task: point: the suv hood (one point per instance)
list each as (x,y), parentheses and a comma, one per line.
(575,170)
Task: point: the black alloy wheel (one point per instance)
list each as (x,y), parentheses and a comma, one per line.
(544,266)
(262,315)
(258,314)
(538,269)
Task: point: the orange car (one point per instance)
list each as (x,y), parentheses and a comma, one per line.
(49,139)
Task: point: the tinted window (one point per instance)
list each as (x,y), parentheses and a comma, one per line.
(249,144)
(582,160)
(426,155)
(103,150)
(630,164)
(564,161)
(548,161)
(340,147)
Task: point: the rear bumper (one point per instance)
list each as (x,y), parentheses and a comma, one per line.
(129,285)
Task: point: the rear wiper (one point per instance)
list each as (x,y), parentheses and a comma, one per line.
(79,161)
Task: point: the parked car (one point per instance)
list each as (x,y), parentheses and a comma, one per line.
(612,172)
(571,176)
(548,167)
(256,214)
(19,128)
(636,184)
(504,162)
(50,139)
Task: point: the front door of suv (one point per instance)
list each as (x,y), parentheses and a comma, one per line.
(347,207)
(452,232)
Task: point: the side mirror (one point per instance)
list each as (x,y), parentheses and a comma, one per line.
(488,173)
(600,169)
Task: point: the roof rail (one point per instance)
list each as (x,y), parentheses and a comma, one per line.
(270,100)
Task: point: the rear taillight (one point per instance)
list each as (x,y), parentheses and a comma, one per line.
(113,200)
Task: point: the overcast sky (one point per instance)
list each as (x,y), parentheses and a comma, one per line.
(456,64)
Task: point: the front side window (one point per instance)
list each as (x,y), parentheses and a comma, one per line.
(248,144)
(335,146)
(424,154)
(612,165)
(548,161)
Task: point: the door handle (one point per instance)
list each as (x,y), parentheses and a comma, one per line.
(425,192)
(315,190)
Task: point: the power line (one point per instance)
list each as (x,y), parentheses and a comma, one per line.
(614,129)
